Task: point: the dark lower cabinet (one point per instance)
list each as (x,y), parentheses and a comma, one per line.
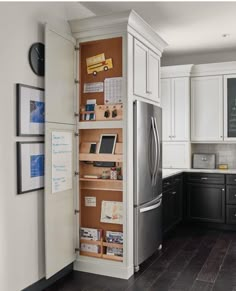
(206,203)
(172,202)
(231,214)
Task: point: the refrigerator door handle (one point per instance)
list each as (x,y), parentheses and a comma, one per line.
(150,155)
(145,209)
(155,158)
(158,148)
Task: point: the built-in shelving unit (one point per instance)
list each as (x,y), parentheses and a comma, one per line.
(90,133)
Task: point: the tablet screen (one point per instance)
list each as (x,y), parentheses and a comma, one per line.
(107,145)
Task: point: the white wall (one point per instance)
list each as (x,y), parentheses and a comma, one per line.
(201,58)
(21,216)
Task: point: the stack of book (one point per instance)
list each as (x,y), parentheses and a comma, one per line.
(90,234)
(116,238)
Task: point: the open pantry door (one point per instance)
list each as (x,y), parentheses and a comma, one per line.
(60,160)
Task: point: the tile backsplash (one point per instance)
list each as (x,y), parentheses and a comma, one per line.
(225,153)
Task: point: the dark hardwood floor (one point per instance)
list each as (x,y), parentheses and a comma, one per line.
(193,259)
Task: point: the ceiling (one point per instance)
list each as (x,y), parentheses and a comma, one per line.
(188,27)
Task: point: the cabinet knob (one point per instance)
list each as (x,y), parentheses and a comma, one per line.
(235,214)
(173,193)
(234,195)
(234,179)
(223,189)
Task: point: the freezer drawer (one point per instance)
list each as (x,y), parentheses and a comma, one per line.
(148,230)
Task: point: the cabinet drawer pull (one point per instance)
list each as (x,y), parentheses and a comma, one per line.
(204,178)
(173,193)
(167,183)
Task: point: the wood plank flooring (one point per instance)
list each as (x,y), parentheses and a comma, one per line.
(192,259)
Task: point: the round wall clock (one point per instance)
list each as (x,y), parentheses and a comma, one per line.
(36,58)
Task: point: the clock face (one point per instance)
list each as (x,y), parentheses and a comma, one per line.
(36,58)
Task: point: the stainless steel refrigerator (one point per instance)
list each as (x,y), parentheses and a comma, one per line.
(147,181)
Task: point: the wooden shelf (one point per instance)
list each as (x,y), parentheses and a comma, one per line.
(112,245)
(101,254)
(90,254)
(91,242)
(101,157)
(101,184)
(93,124)
(113,258)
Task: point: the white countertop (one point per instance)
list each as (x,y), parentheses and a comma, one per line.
(171,172)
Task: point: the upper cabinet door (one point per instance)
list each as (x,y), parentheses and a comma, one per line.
(59,77)
(140,69)
(180,109)
(230,107)
(59,152)
(153,76)
(166,109)
(176,155)
(207,109)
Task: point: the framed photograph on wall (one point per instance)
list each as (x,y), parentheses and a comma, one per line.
(30,107)
(30,166)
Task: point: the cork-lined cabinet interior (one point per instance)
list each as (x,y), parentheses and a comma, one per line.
(101,189)
(93,183)
(100,61)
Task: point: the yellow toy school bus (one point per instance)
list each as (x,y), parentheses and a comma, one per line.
(98,63)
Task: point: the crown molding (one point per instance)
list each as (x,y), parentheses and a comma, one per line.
(176,71)
(122,22)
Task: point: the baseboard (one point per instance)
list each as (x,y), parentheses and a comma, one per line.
(43,283)
(116,270)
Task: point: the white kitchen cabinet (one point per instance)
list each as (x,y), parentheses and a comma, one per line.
(166,109)
(207,109)
(175,97)
(65,210)
(59,116)
(230,108)
(153,76)
(176,155)
(146,72)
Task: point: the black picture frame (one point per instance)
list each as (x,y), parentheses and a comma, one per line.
(27,97)
(25,181)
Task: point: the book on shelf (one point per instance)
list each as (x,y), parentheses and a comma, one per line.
(90,233)
(90,248)
(114,237)
(114,252)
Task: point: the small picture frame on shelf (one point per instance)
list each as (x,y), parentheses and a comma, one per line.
(107,143)
(30,166)
(30,110)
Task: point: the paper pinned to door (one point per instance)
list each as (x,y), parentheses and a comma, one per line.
(93,87)
(112,212)
(113,90)
(62,154)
